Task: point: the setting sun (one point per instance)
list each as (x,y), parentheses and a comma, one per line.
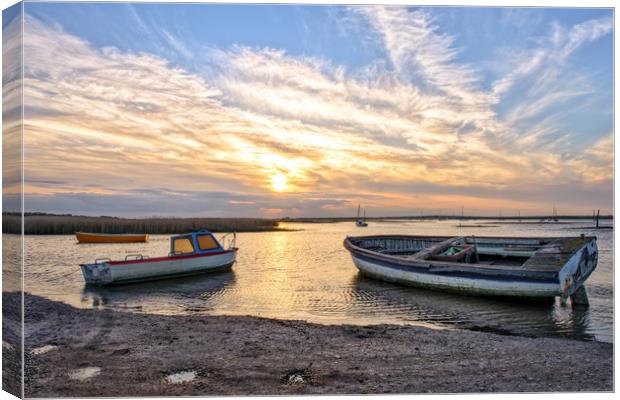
(278,182)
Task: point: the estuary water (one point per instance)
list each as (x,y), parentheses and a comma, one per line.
(305,273)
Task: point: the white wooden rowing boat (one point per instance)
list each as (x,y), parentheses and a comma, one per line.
(190,254)
(519,267)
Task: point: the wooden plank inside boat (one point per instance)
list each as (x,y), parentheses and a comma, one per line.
(555,255)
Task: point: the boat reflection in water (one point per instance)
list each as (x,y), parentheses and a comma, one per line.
(202,292)
(508,316)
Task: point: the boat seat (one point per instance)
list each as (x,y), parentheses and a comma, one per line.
(433,250)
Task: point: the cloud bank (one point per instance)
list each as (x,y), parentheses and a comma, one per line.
(133,133)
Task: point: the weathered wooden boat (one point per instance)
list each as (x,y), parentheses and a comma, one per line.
(83,237)
(497,266)
(190,254)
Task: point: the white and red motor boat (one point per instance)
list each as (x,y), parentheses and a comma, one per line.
(190,254)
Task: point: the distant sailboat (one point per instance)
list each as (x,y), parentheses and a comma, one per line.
(360,222)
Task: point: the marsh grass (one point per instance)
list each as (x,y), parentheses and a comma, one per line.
(50,224)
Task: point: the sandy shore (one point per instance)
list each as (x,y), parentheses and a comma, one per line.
(11,342)
(132,355)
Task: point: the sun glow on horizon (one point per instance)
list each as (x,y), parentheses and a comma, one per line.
(279,182)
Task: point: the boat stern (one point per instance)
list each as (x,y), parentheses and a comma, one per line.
(579,267)
(96,273)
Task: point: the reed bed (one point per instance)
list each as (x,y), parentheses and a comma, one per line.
(46,224)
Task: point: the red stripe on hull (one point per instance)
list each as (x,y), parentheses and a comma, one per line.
(168,258)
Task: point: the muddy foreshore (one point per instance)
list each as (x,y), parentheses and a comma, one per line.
(134,353)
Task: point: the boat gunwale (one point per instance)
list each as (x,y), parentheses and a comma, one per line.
(112,234)
(425,237)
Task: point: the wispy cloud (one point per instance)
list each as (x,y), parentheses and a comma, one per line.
(11,114)
(585,32)
(546,87)
(417,132)
(176,44)
(417,49)
(554,50)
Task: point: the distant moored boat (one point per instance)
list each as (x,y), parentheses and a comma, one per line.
(84,237)
(361,222)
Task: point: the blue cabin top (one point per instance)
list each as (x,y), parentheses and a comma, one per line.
(201,242)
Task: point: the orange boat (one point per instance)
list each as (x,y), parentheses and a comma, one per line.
(83,237)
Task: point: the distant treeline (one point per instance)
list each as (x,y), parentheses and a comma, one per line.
(51,224)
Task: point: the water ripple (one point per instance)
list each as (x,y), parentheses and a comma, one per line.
(307,274)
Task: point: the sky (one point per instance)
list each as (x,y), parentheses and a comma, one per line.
(308,111)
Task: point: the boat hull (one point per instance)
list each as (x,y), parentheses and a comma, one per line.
(110,238)
(540,282)
(464,285)
(123,272)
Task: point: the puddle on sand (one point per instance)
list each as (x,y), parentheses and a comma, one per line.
(296,379)
(84,373)
(43,349)
(181,377)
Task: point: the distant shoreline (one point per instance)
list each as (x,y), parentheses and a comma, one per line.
(529,219)
(67,224)
(51,224)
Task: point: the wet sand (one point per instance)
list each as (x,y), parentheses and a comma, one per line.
(80,353)
(11,343)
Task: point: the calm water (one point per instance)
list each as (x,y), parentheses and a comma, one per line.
(307,274)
